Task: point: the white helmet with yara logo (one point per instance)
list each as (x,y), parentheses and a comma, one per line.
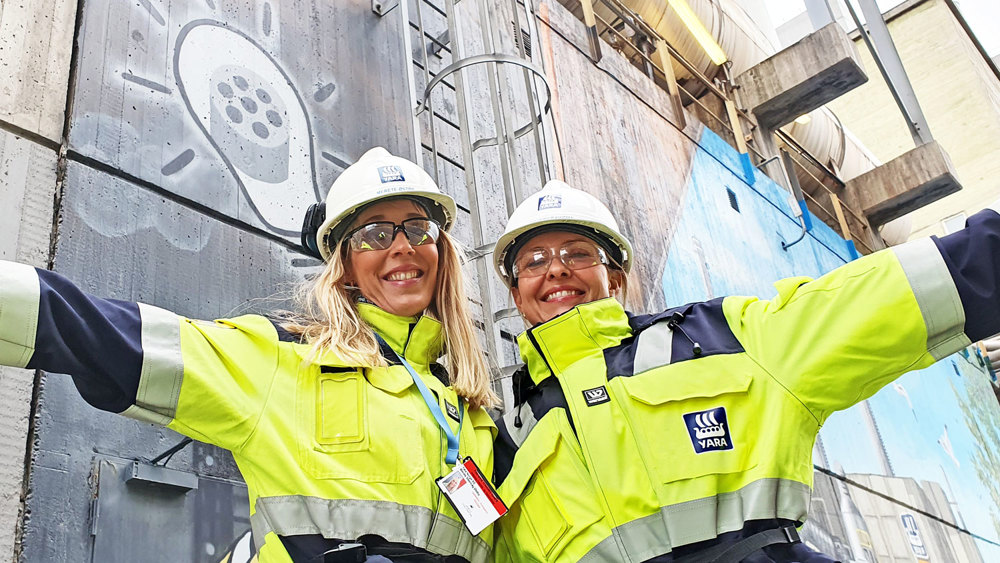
(375,176)
(559,207)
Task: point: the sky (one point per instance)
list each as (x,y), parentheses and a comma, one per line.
(983,16)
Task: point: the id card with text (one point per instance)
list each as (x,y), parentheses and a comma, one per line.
(472,496)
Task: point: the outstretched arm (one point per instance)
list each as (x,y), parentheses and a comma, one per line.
(137,359)
(837,340)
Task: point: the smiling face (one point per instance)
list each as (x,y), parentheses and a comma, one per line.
(402,278)
(559,289)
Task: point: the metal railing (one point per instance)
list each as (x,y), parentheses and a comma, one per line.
(643,42)
(806,162)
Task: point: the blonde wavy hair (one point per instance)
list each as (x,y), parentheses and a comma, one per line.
(328,320)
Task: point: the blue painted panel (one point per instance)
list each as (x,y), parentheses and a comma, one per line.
(717,250)
(933,434)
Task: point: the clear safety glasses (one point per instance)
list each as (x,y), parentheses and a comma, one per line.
(576,255)
(379,235)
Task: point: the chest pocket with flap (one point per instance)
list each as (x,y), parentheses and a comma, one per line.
(356,427)
(550,493)
(694,417)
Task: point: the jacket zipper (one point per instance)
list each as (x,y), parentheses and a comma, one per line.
(531,337)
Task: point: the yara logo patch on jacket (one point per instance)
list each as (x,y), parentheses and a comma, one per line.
(709,430)
(596,396)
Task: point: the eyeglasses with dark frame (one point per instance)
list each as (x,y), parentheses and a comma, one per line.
(378,235)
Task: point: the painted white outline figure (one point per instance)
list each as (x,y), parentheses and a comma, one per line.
(270,159)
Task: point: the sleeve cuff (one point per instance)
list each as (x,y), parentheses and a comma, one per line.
(19,299)
(936,294)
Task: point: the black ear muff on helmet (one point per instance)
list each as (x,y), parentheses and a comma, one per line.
(314,218)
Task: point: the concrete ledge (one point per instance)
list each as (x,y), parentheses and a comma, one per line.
(819,68)
(905,183)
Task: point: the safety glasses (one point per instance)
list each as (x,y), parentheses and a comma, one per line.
(379,235)
(576,255)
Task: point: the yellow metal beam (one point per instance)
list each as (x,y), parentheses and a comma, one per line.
(844,228)
(698,30)
(663,51)
(734,122)
(590,20)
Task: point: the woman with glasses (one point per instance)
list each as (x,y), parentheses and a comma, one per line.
(686,436)
(339,415)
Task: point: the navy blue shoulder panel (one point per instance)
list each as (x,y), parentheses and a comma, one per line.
(96,341)
(620,360)
(541,399)
(703,323)
(504,449)
(283,335)
(973,258)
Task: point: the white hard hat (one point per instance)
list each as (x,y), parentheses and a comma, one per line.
(559,204)
(379,175)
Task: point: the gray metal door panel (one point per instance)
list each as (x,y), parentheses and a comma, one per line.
(136,521)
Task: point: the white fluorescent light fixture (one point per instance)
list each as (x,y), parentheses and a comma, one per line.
(698,30)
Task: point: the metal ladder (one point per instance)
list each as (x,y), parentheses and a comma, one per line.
(477,82)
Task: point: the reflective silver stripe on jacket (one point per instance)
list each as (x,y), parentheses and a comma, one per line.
(703,519)
(528,421)
(653,348)
(936,295)
(162,367)
(351,518)
(19,297)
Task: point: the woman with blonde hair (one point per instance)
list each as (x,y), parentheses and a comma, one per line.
(338,415)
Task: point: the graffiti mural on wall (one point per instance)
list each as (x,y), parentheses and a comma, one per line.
(242,550)
(256,121)
(237,106)
(189,121)
(930,441)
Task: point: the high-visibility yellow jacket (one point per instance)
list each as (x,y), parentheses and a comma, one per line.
(627,444)
(328,449)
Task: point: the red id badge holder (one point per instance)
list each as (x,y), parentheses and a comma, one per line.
(472,496)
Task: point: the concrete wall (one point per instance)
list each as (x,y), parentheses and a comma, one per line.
(27,198)
(158,196)
(35,49)
(959,95)
(173,185)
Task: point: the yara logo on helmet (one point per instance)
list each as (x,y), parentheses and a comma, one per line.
(390,174)
(549,201)
(709,430)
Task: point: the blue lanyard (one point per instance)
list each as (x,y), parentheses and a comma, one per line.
(452,457)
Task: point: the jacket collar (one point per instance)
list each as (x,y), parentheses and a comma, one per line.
(551,347)
(419,339)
